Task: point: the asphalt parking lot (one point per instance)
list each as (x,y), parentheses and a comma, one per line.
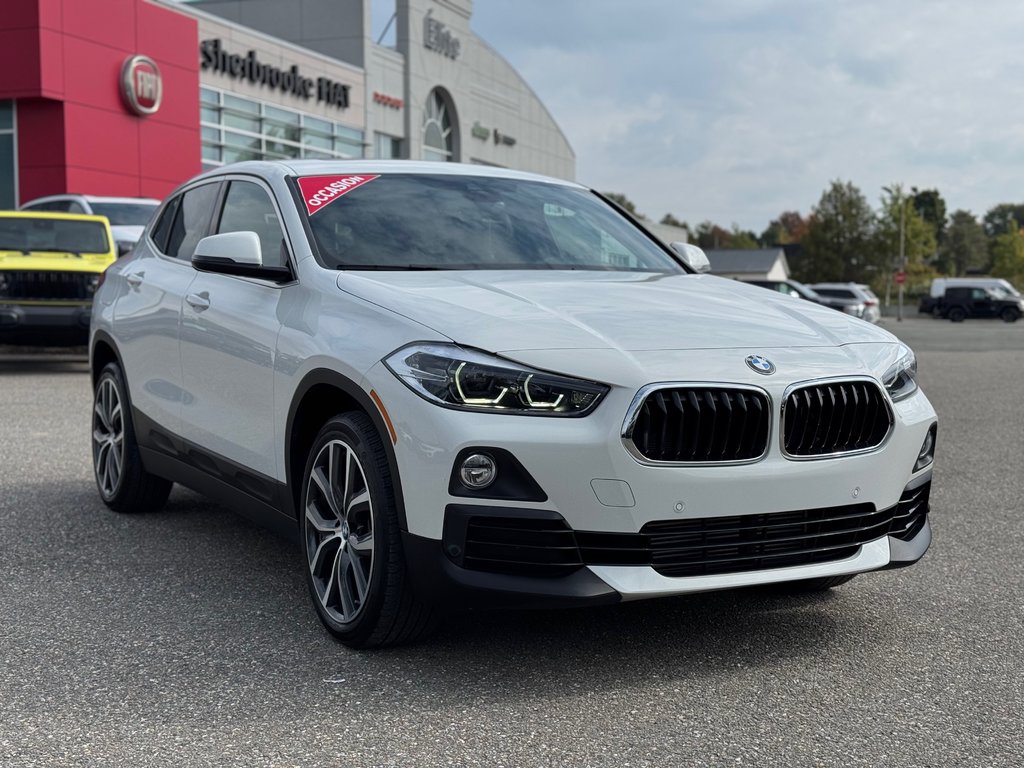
(184,638)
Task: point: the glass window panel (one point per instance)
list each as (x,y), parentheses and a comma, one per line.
(316,124)
(354,135)
(206,96)
(6,116)
(348,148)
(247,208)
(242,123)
(237,140)
(211,153)
(7,170)
(239,155)
(281,131)
(192,220)
(209,115)
(209,166)
(314,154)
(241,105)
(317,140)
(211,135)
(283,150)
(281,115)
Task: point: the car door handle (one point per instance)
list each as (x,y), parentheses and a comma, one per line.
(133,279)
(198,301)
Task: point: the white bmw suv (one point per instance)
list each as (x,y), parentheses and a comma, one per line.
(466,387)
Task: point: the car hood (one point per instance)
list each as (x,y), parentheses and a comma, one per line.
(508,311)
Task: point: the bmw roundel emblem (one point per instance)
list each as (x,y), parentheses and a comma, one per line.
(761,364)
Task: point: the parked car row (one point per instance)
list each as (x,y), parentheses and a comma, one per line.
(53,253)
(854,299)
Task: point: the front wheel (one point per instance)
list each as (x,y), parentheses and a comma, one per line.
(355,568)
(957,315)
(1010,315)
(123,483)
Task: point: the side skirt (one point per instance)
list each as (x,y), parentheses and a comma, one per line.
(260,499)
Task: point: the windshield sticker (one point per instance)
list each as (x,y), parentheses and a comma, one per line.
(318,191)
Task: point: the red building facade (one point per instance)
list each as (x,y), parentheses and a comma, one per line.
(71,125)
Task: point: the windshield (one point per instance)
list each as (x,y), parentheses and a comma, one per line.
(24,233)
(125,214)
(416,221)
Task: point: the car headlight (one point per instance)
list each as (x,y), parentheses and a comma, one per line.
(461,378)
(901,378)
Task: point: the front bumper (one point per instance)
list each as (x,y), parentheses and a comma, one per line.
(41,324)
(529,558)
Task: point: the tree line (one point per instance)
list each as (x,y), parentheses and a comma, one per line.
(844,239)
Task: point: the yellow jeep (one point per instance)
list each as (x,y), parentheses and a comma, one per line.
(50,267)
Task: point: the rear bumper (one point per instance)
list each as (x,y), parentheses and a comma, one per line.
(44,325)
(559,568)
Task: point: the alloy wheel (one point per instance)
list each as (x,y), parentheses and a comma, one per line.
(339,531)
(108,437)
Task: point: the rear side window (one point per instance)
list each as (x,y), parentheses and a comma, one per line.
(837,293)
(247,208)
(162,231)
(192,220)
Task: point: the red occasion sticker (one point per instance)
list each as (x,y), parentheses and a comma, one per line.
(318,191)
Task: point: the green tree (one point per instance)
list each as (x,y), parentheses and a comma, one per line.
(620,199)
(838,237)
(1007,252)
(965,246)
(932,208)
(741,239)
(1003,218)
(788,229)
(669,220)
(918,243)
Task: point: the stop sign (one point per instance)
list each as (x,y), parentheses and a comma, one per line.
(901,278)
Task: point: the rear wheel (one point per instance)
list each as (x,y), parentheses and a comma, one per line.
(355,568)
(1010,315)
(123,483)
(957,314)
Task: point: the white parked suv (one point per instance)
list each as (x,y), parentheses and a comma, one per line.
(128,216)
(463,386)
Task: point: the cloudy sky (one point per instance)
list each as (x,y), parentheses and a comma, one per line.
(736,110)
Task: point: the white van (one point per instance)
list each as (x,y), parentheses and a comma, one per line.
(940,284)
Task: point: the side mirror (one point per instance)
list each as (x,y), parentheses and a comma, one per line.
(236,253)
(236,247)
(692,256)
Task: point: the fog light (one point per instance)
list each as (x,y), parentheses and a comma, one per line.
(478,471)
(927,453)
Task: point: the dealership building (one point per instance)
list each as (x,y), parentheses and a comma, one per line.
(132,97)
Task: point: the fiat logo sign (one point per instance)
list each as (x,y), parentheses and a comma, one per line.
(141,85)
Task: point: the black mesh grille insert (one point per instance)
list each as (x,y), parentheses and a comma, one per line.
(697,424)
(716,545)
(31,284)
(835,417)
(911,512)
(525,546)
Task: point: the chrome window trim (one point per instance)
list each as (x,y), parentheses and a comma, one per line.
(633,412)
(834,380)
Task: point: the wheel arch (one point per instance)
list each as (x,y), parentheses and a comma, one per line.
(322,394)
(103,351)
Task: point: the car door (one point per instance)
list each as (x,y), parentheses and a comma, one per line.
(228,343)
(981,303)
(147,312)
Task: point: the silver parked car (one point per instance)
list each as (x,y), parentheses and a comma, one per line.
(128,216)
(854,299)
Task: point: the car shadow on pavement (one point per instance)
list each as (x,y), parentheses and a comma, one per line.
(204,583)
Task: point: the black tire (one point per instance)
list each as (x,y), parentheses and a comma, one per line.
(957,315)
(123,483)
(822,584)
(354,532)
(1010,315)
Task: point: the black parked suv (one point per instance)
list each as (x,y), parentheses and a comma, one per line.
(960,303)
